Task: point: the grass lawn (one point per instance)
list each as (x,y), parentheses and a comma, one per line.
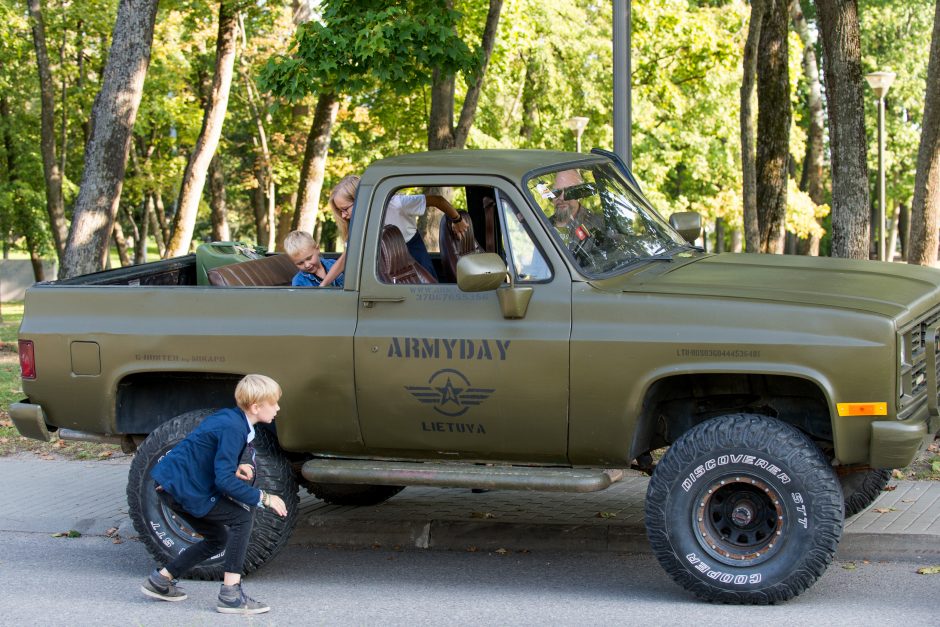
(11,392)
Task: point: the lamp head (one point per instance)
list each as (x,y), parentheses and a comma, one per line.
(577,124)
(880,82)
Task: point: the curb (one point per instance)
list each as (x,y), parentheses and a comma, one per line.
(451,535)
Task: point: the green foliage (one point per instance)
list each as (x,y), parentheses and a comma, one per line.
(896,37)
(551,61)
(686,103)
(359,44)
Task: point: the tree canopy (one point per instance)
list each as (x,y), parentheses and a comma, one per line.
(550,61)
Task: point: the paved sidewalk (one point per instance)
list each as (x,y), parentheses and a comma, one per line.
(89,497)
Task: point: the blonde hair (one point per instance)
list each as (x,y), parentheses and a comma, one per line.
(256,388)
(346,188)
(296,241)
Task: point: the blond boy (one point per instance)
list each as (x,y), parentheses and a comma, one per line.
(304,252)
(202,480)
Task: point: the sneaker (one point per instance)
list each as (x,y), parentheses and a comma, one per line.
(160,587)
(232,600)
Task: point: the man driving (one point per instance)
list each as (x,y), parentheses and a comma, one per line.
(577,225)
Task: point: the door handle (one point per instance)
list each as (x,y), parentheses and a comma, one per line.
(369,301)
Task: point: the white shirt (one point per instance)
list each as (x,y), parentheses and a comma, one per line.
(404,210)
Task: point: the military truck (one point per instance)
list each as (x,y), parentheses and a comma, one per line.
(570,333)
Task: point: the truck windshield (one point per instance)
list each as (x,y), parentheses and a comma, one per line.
(600,220)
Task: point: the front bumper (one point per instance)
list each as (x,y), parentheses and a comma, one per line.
(895,444)
(30,421)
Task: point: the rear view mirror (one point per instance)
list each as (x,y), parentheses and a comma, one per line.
(688,224)
(480,272)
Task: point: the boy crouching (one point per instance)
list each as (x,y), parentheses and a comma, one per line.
(202,480)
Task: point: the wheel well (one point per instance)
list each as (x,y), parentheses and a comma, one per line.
(147,400)
(676,404)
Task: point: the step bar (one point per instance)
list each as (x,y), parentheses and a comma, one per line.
(459,475)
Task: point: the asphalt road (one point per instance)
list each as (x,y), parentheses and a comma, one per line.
(88,580)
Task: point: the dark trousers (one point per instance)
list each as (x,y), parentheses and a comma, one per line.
(419,251)
(226,527)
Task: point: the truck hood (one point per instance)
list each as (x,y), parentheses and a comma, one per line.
(896,290)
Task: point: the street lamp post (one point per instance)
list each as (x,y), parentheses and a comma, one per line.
(577,124)
(880,82)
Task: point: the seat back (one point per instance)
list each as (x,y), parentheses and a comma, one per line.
(275,270)
(454,246)
(396,265)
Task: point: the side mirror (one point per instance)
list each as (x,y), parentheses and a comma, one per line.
(688,224)
(482,272)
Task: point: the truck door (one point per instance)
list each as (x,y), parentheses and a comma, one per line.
(441,371)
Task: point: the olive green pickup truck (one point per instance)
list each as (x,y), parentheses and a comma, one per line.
(570,333)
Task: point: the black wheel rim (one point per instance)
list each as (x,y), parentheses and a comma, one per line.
(178,525)
(740,520)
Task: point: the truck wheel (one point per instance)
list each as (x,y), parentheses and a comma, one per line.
(861,488)
(744,509)
(165,533)
(353,494)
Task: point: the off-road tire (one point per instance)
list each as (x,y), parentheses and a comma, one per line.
(860,489)
(353,494)
(165,533)
(744,509)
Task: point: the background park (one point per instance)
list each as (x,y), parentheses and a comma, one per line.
(132,130)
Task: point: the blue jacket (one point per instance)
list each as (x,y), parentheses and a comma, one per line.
(200,470)
(305,279)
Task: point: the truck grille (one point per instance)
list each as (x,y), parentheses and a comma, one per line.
(915,376)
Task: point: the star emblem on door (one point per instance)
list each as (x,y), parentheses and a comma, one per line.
(445,393)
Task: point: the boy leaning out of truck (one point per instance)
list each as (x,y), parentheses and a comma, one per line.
(305,253)
(202,480)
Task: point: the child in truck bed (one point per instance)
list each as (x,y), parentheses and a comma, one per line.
(305,253)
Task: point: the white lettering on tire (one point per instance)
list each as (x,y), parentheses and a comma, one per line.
(724,460)
(721,576)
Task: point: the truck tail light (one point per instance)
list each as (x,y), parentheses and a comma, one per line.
(27,360)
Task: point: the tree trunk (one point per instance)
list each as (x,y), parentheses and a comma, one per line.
(55,204)
(160,216)
(923,239)
(441,131)
(262,224)
(749,172)
(219,217)
(39,273)
(811,179)
(719,235)
(135,232)
(121,243)
(839,28)
(271,209)
(155,227)
(194,178)
(773,127)
(895,219)
(904,228)
(469,109)
(112,126)
(314,165)
(530,97)
(736,241)
(143,228)
(284,218)
(441,119)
